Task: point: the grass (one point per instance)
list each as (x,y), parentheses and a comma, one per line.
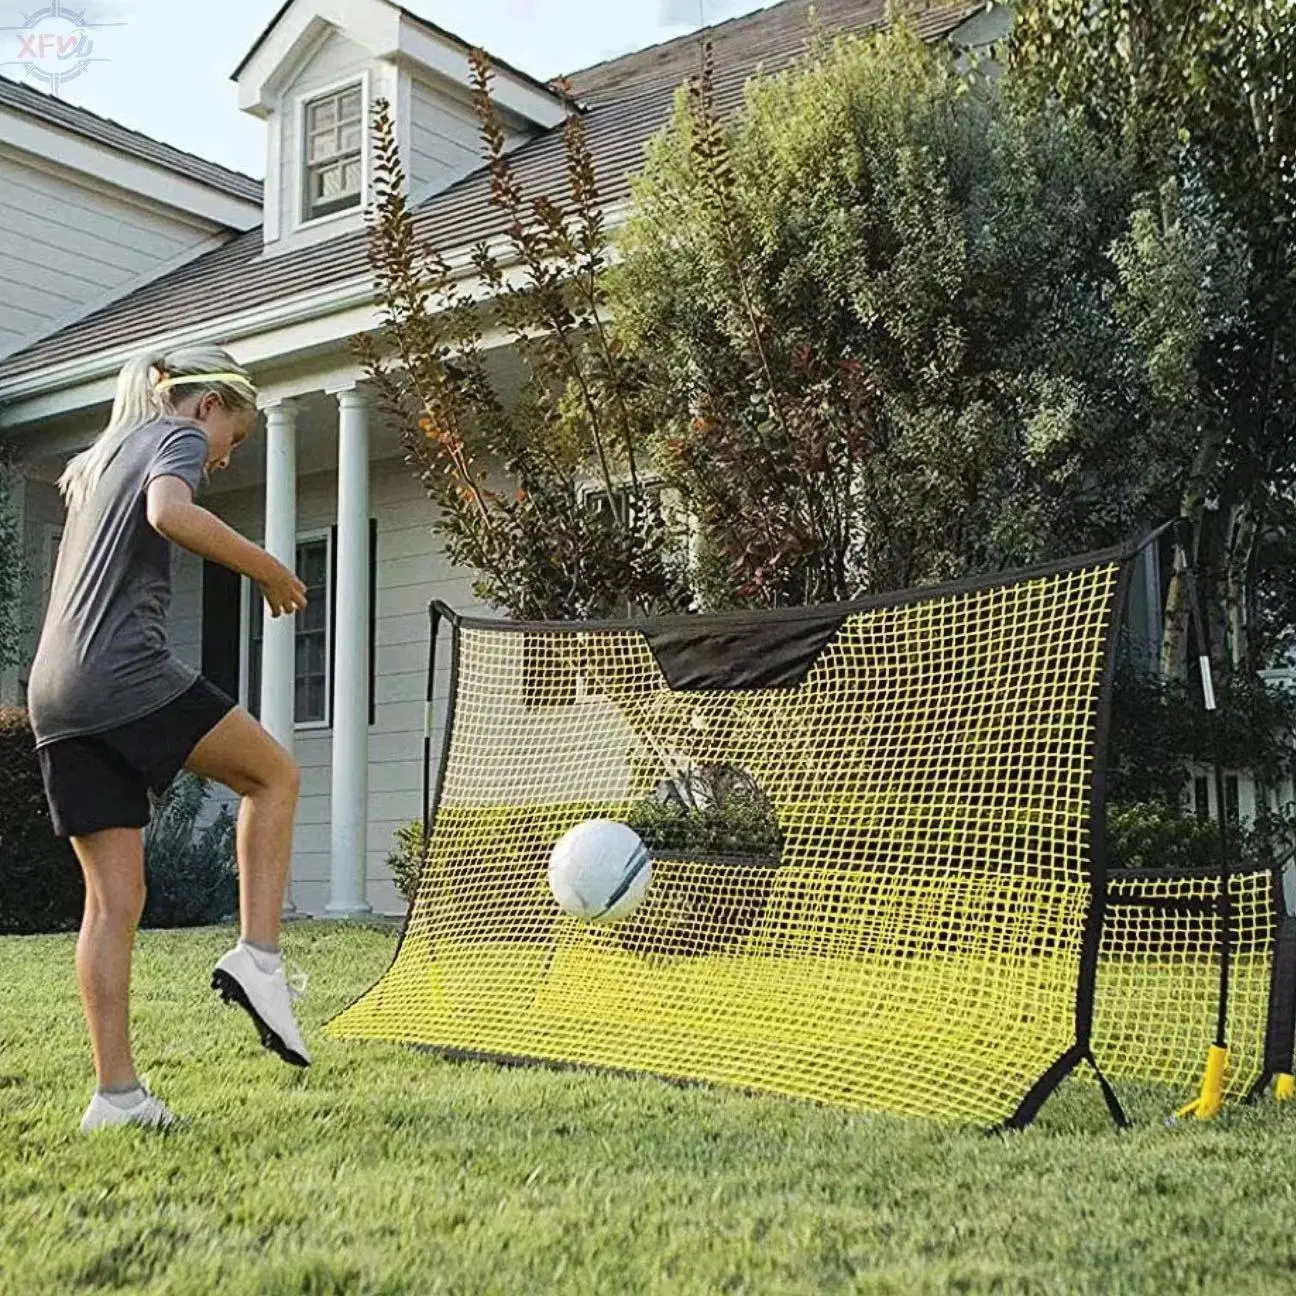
(385,1170)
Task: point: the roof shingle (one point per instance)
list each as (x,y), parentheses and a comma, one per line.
(630,101)
(101,130)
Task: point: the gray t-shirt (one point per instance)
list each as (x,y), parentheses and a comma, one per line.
(103,659)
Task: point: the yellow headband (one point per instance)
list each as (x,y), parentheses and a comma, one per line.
(190,380)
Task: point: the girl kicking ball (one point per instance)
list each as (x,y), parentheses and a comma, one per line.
(117,716)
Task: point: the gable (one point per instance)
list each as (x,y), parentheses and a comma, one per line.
(337,58)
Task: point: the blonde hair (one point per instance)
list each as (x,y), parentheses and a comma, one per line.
(140,400)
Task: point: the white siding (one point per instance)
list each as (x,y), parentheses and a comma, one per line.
(444,142)
(67,247)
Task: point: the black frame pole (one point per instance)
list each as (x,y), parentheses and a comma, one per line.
(1208,1103)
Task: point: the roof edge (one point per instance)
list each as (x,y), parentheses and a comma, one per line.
(239,181)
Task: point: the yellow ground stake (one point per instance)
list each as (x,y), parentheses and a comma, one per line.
(1210,1101)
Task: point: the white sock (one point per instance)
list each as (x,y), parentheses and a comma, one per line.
(123,1099)
(267,961)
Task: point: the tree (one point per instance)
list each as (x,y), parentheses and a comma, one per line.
(540,493)
(892,333)
(1201,101)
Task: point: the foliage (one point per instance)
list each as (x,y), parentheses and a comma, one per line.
(41,888)
(1160,732)
(405,860)
(191,872)
(12,566)
(1152,834)
(716,811)
(890,340)
(1200,100)
(511,473)
(1159,728)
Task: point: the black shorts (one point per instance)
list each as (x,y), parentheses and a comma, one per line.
(104,780)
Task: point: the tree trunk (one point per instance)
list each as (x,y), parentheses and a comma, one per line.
(1174,637)
(1241,545)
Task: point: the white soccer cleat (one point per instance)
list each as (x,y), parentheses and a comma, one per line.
(267,997)
(150,1112)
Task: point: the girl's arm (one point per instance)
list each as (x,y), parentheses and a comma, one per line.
(173,514)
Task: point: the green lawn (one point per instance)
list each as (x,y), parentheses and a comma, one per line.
(386,1170)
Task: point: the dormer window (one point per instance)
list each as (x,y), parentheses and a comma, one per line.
(334,137)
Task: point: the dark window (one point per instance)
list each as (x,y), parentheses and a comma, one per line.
(312,666)
(1201,799)
(334,129)
(221,620)
(1231,801)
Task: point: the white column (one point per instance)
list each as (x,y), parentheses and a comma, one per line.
(279,641)
(350,807)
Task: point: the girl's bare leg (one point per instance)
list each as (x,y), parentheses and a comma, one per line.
(240,754)
(113,864)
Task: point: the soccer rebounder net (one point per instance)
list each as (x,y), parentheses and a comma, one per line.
(879,876)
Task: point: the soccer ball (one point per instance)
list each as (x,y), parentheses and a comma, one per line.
(600,871)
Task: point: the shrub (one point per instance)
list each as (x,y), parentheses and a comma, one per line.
(41,888)
(739,822)
(191,871)
(406,859)
(1151,834)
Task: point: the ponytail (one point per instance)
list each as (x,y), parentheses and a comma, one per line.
(140,400)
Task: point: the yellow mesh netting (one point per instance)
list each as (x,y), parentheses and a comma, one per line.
(1158,986)
(915,946)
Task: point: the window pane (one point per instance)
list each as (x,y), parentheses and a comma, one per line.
(351,177)
(309,699)
(323,146)
(350,105)
(331,183)
(349,138)
(310,654)
(312,563)
(315,618)
(322,114)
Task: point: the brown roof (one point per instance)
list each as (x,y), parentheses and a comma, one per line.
(81,121)
(630,101)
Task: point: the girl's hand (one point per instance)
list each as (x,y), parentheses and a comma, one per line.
(284,593)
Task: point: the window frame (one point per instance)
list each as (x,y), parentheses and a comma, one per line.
(621,486)
(302,106)
(252,592)
(53,539)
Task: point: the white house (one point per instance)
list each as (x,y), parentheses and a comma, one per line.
(113,243)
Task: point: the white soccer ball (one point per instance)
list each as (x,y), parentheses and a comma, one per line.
(600,871)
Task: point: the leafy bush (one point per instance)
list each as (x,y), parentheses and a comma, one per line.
(731,816)
(191,871)
(41,888)
(406,859)
(1151,834)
